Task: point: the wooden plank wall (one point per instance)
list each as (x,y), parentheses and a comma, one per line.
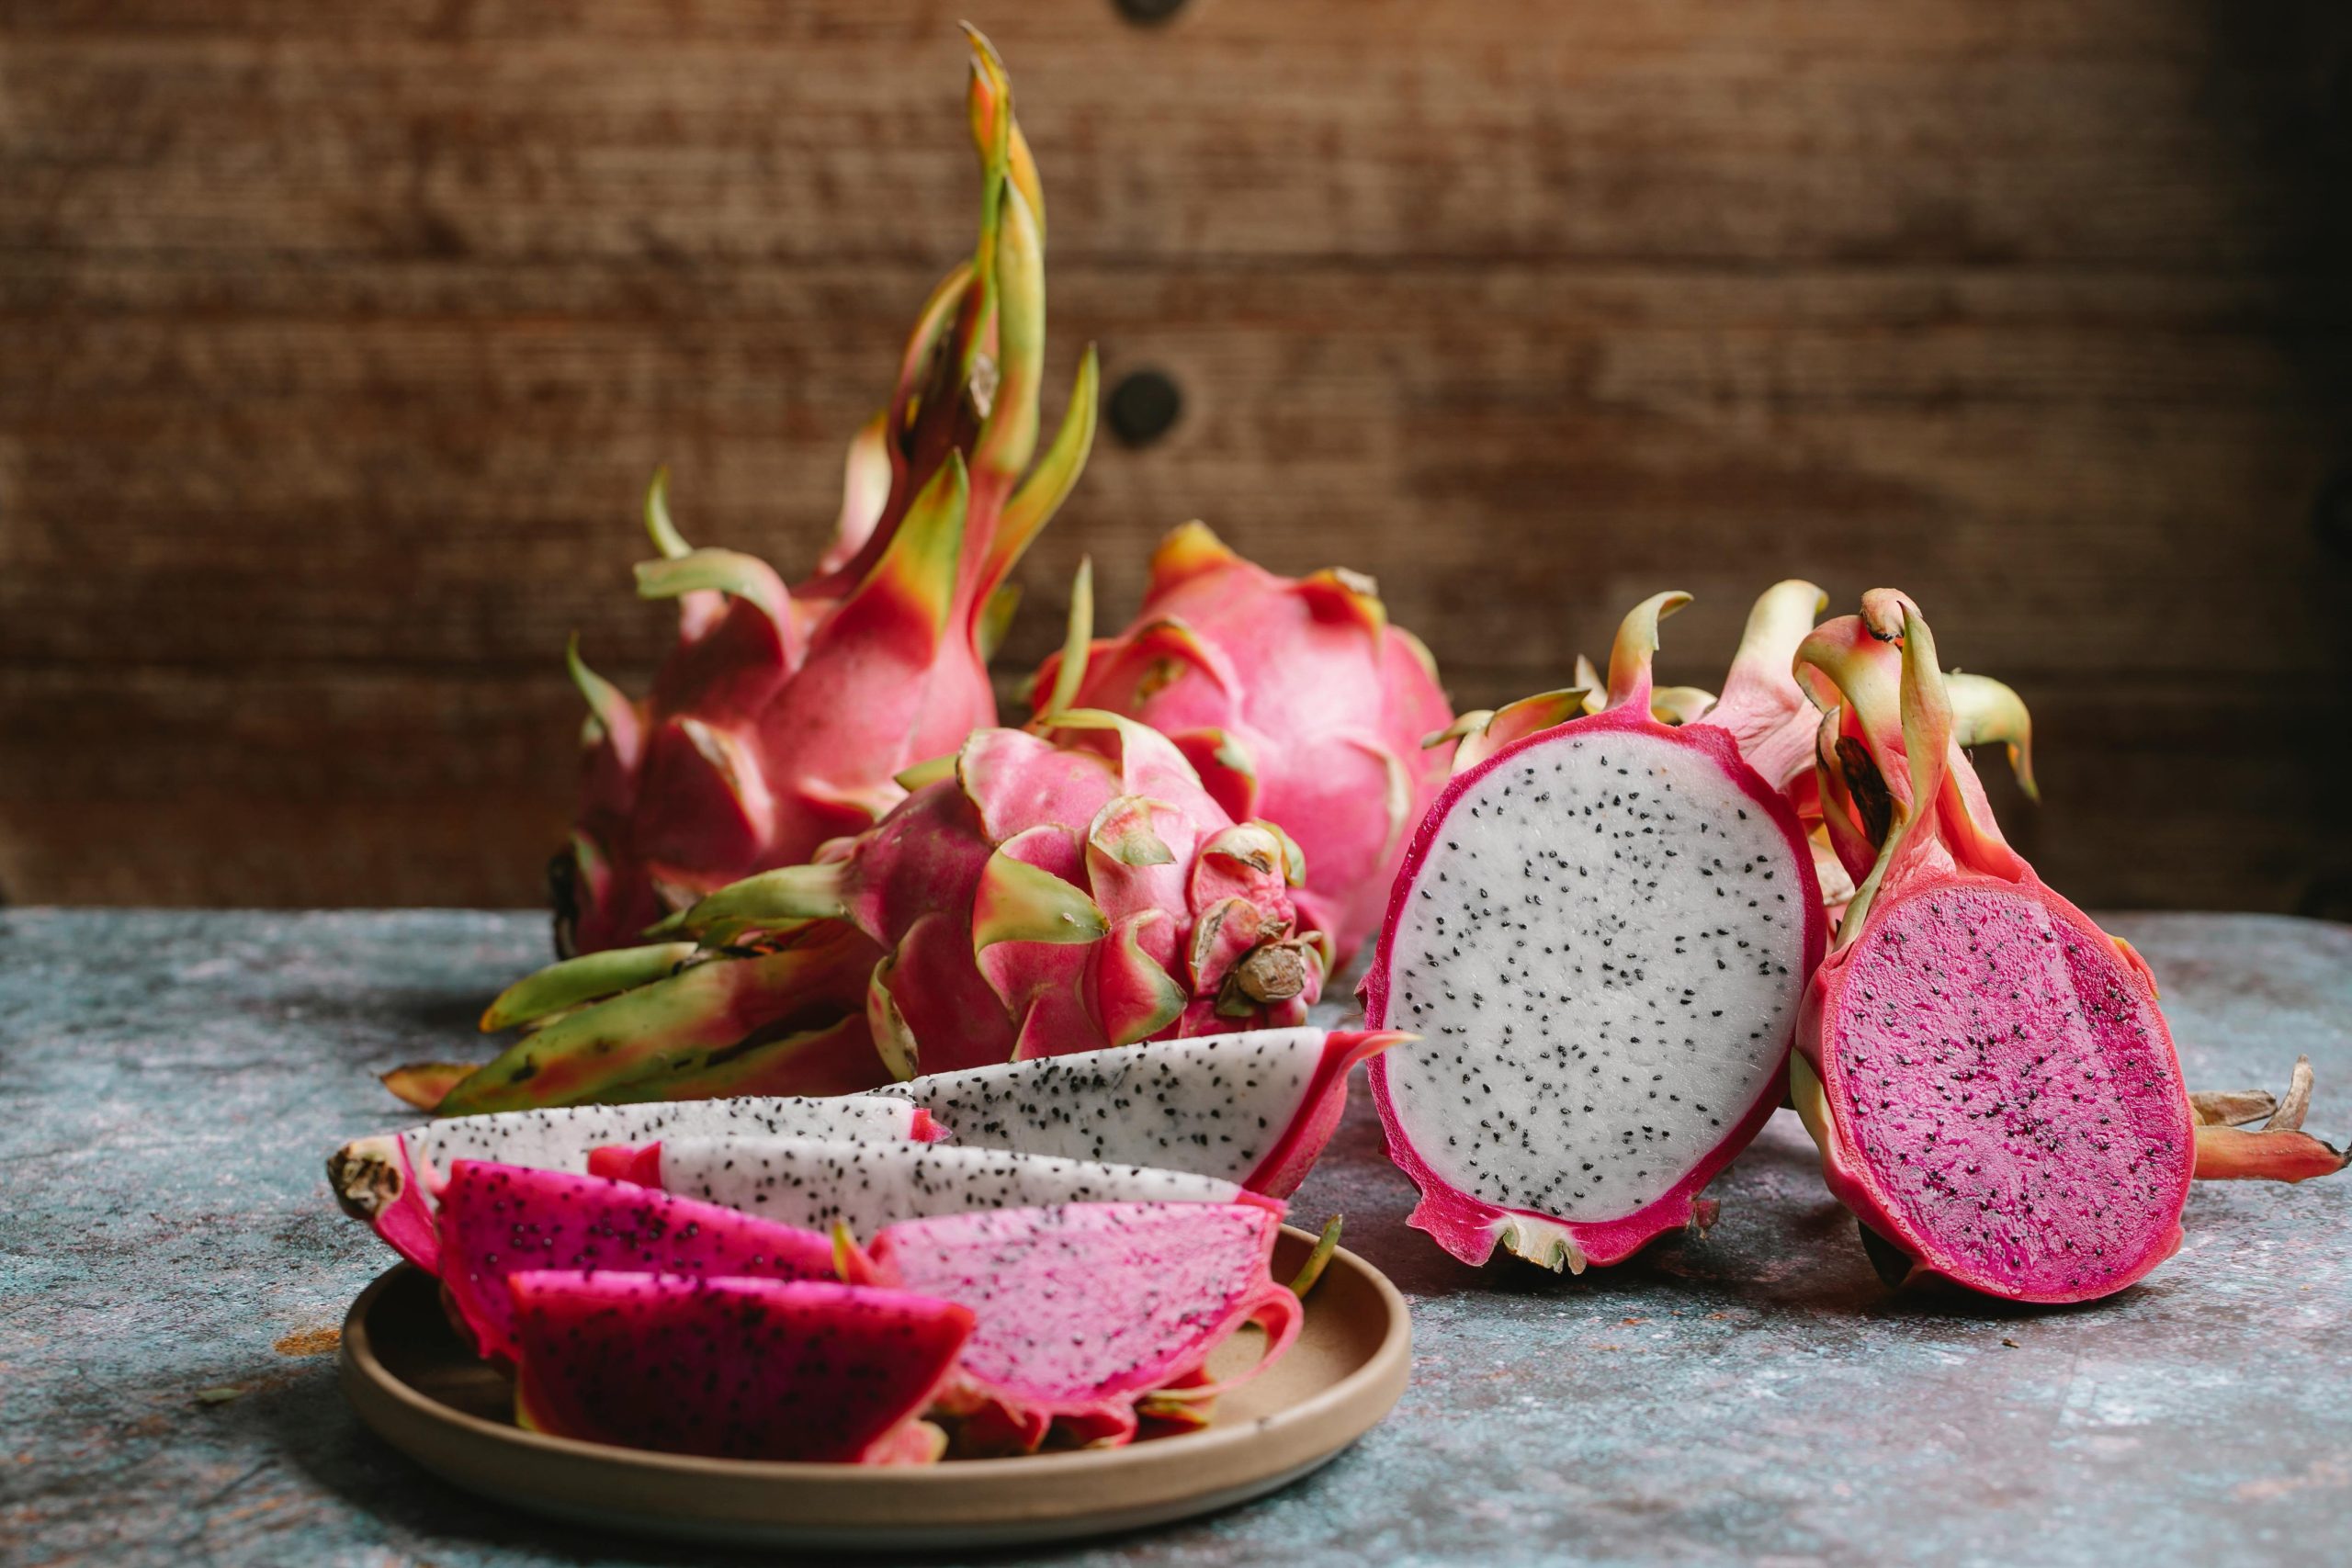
(336,343)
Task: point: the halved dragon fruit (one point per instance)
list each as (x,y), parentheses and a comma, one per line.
(1601,935)
(733,1367)
(1993,1088)
(501,1220)
(1255,1109)
(1083,1309)
(392,1181)
(817,1185)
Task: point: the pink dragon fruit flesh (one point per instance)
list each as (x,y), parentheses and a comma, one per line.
(782,716)
(1993,1088)
(1297,701)
(1046,894)
(815,1185)
(746,1369)
(1254,1109)
(1601,936)
(503,1220)
(1082,1309)
(392,1181)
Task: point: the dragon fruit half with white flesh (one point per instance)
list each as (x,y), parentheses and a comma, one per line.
(1083,1309)
(734,1368)
(1254,1109)
(1601,936)
(1992,1087)
(815,1185)
(392,1181)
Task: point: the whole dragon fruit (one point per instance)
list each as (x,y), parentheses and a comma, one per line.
(1993,1088)
(1296,701)
(1047,893)
(817,1185)
(733,1367)
(782,716)
(1082,1309)
(1601,935)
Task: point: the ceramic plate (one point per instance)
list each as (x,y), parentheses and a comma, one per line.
(409,1377)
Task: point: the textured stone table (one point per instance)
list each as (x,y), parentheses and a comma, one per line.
(169,1084)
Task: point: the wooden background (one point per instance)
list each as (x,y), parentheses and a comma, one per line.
(336,343)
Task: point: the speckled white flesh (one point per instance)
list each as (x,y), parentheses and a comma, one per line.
(812,1183)
(559,1139)
(1602,952)
(1215,1103)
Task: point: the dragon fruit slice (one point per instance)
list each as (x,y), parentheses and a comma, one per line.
(733,1367)
(1083,1309)
(391,1181)
(1048,894)
(1254,1109)
(1601,935)
(1994,1091)
(1297,701)
(503,1220)
(815,1185)
(781,717)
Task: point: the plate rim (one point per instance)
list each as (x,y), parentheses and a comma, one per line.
(1374,1387)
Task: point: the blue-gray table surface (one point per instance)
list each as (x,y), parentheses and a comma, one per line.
(170,1083)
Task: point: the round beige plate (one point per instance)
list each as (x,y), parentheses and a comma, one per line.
(409,1378)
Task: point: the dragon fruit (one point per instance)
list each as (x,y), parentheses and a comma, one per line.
(783,715)
(743,1369)
(1603,934)
(2228,1148)
(1297,702)
(1049,893)
(815,1185)
(1993,1088)
(1254,1109)
(392,1181)
(1083,1309)
(501,1220)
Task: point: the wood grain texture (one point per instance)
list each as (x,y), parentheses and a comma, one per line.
(336,344)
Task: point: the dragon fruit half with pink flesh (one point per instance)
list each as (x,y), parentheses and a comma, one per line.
(392,1181)
(1083,1309)
(813,1184)
(501,1220)
(1295,699)
(783,715)
(1601,936)
(731,1368)
(1044,893)
(1992,1087)
(1254,1109)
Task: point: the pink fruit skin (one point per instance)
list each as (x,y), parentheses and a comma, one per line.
(1307,678)
(1301,1144)
(746,1369)
(1082,1309)
(500,1220)
(1468,1227)
(1879,1177)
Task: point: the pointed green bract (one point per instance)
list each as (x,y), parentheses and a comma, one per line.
(1986,712)
(1020,902)
(582,979)
(996,620)
(658,526)
(917,570)
(1049,483)
(1630,656)
(608,704)
(1077,638)
(730,573)
(931,772)
(769,899)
